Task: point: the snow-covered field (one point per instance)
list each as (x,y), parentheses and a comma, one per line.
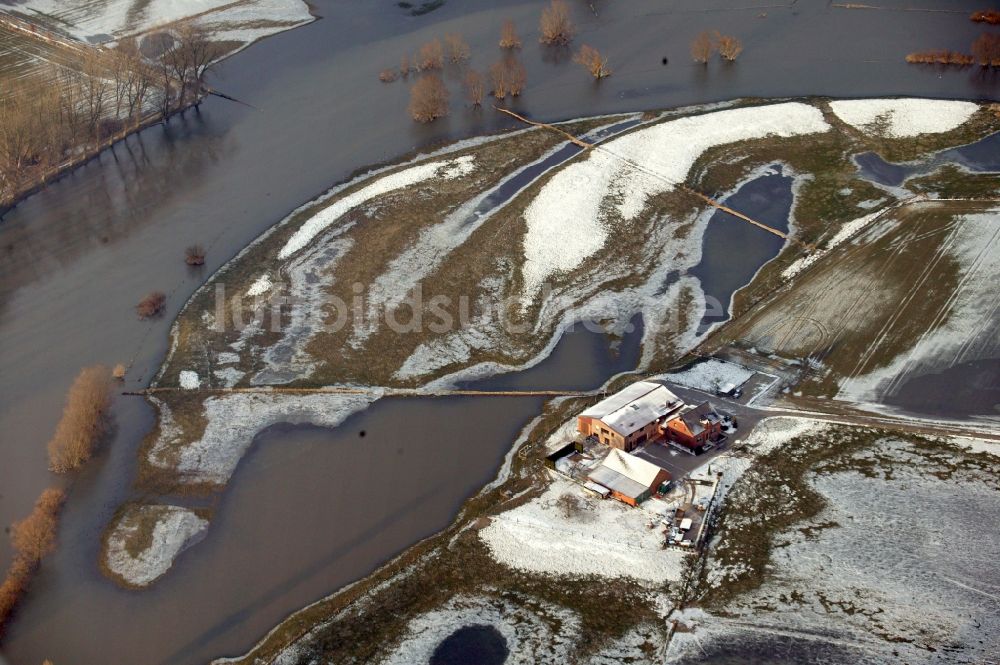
(100,21)
(175,529)
(232,422)
(582,207)
(905,117)
(711,374)
(900,569)
(964,328)
(605,538)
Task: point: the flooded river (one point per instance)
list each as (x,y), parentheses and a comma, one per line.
(310,510)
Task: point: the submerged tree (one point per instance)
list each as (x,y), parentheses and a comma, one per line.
(475,87)
(593,61)
(729,47)
(508,36)
(428,99)
(702,47)
(555,26)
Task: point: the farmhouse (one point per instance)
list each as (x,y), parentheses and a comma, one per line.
(631,479)
(631,416)
(695,426)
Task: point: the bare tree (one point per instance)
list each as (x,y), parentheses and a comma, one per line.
(986,50)
(593,61)
(508,36)
(97,89)
(152,305)
(189,59)
(729,47)
(555,26)
(702,47)
(508,77)
(428,99)
(475,87)
(194,255)
(457,48)
(84,420)
(404,65)
(34,537)
(430,56)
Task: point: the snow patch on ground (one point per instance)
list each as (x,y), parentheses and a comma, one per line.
(905,117)
(232,422)
(175,530)
(447,169)
(543,634)
(711,374)
(576,211)
(189,380)
(261,286)
(606,538)
(775,432)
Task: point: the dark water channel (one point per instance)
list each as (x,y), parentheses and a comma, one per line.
(297,521)
(734,250)
(983,156)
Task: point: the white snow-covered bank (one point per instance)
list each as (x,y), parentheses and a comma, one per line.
(232,422)
(904,117)
(447,169)
(604,537)
(174,529)
(575,213)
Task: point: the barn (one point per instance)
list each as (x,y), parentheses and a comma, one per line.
(631,479)
(630,417)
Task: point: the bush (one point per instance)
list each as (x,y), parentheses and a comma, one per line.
(35,536)
(428,99)
(119,372)
(84,420)
(555,25)
(593,61)
(457,48)
(940,57)
(32,538)
(508,36)
(986,50)
(702,47)
(990,16)
(387,75)
(430,56)
(508,77)
(729,47)
(152,305)
(194,255)
(474,87)
(404,66)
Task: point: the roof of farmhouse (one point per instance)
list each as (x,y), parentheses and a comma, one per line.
(632,467)
(634,407)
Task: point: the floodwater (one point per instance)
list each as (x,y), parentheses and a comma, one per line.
(734,250)
(472,645)
(983,156)
(75,258)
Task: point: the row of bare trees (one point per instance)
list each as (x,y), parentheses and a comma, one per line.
(985,52)
(64,113)
(32,539)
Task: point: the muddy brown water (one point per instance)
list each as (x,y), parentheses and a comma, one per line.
(75,258)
